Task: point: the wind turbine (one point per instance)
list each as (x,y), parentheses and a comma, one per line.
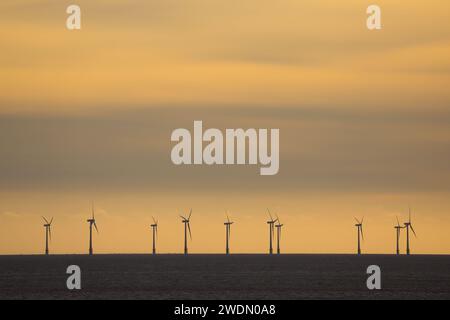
(408,225)
(398,229)
(91,223)
(271,224)
(279,226)
(154,227)
(187,227)
(359,225)
(48,233)
(228,234)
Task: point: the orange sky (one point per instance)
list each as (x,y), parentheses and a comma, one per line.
(87,115)
(313,223)
(209,53)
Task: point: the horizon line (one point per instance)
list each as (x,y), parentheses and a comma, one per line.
(219,254)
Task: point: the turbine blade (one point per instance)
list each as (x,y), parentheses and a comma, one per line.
(398,222)
(190,233)
(357,221)
(278,219)
(95,226)
(45,220)
(412,229)
(182,217)
(50,233)
(190,215)
(270,215)
(362,233)
(154,221)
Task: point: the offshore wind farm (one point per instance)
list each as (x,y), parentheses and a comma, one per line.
(274,237)
(229,275)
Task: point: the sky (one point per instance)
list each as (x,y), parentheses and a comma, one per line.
(86,116)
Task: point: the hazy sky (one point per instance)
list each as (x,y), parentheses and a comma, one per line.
(86,115)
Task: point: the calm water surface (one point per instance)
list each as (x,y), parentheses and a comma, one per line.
(222,277)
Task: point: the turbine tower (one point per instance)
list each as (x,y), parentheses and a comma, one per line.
(359,225)
(228,234)
(91,223)
(154,227)
(271,224)
(48,233)
(187,227)
(398,229)
(279,226)
(408,225)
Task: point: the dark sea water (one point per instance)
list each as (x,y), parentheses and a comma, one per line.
(221,277)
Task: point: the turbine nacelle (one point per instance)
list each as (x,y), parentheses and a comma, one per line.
(92,221)
(408,225)
(228,222)
(359,225)
(155,223)
(47,224)
(272,220)
(187,222)
(279,225)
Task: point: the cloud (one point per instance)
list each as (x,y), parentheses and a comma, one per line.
(202,52)
(10,214)
(321,149)
(357,110)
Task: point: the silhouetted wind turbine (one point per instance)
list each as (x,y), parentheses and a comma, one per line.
(271,224)
(228,236)
(398,229)
(279,226)
(408,225)
(187,227)
(91,223)
(48,233)
(154,227)
(359,225)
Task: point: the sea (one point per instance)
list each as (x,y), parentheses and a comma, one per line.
(221,277)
